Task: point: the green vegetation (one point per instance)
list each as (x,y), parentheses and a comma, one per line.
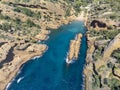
(101,8)
(95,82)
(18,21)
(101,68)
(30,23)
(27,12)
(5,37)
(5,26)
(2,17)
(76,4)
(68,11)
(97,54)
(116,54)
(17,24)
(114,84)
(54,1)
(105,34)
(47,17)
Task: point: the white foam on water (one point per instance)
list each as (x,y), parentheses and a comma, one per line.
(83,85)
(47,37)
(19,71)
(69,61)
(36,57)
(6,88)
(19,79)
(8,85)
(39,41)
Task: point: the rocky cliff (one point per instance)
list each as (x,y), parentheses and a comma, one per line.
(102,61)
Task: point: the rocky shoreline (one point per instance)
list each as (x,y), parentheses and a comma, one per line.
(10,69)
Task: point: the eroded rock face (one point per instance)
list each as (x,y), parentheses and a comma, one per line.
(74,48)
(91,49)
(43,35)
(36,47)
(4,49)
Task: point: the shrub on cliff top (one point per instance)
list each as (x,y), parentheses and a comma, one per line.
(5,26)
(26,11)
(107,34)
(30,23)
(116,54)
(4,17)
(95,82)
(114,83)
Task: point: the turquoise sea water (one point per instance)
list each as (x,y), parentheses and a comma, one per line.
(50,72)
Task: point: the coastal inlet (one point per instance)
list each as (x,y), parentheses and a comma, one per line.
(50,72)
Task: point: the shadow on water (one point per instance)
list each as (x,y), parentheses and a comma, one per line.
(50,71)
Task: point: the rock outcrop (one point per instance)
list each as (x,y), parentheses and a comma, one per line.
(88,70)
(113,45)
(43,35)
(74,48)
(4,49)
(91,49)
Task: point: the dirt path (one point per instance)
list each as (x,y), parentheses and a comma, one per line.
(83,17)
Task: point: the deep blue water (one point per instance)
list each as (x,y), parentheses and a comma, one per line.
(50,72)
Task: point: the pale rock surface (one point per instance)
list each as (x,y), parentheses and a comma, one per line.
(74,47)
